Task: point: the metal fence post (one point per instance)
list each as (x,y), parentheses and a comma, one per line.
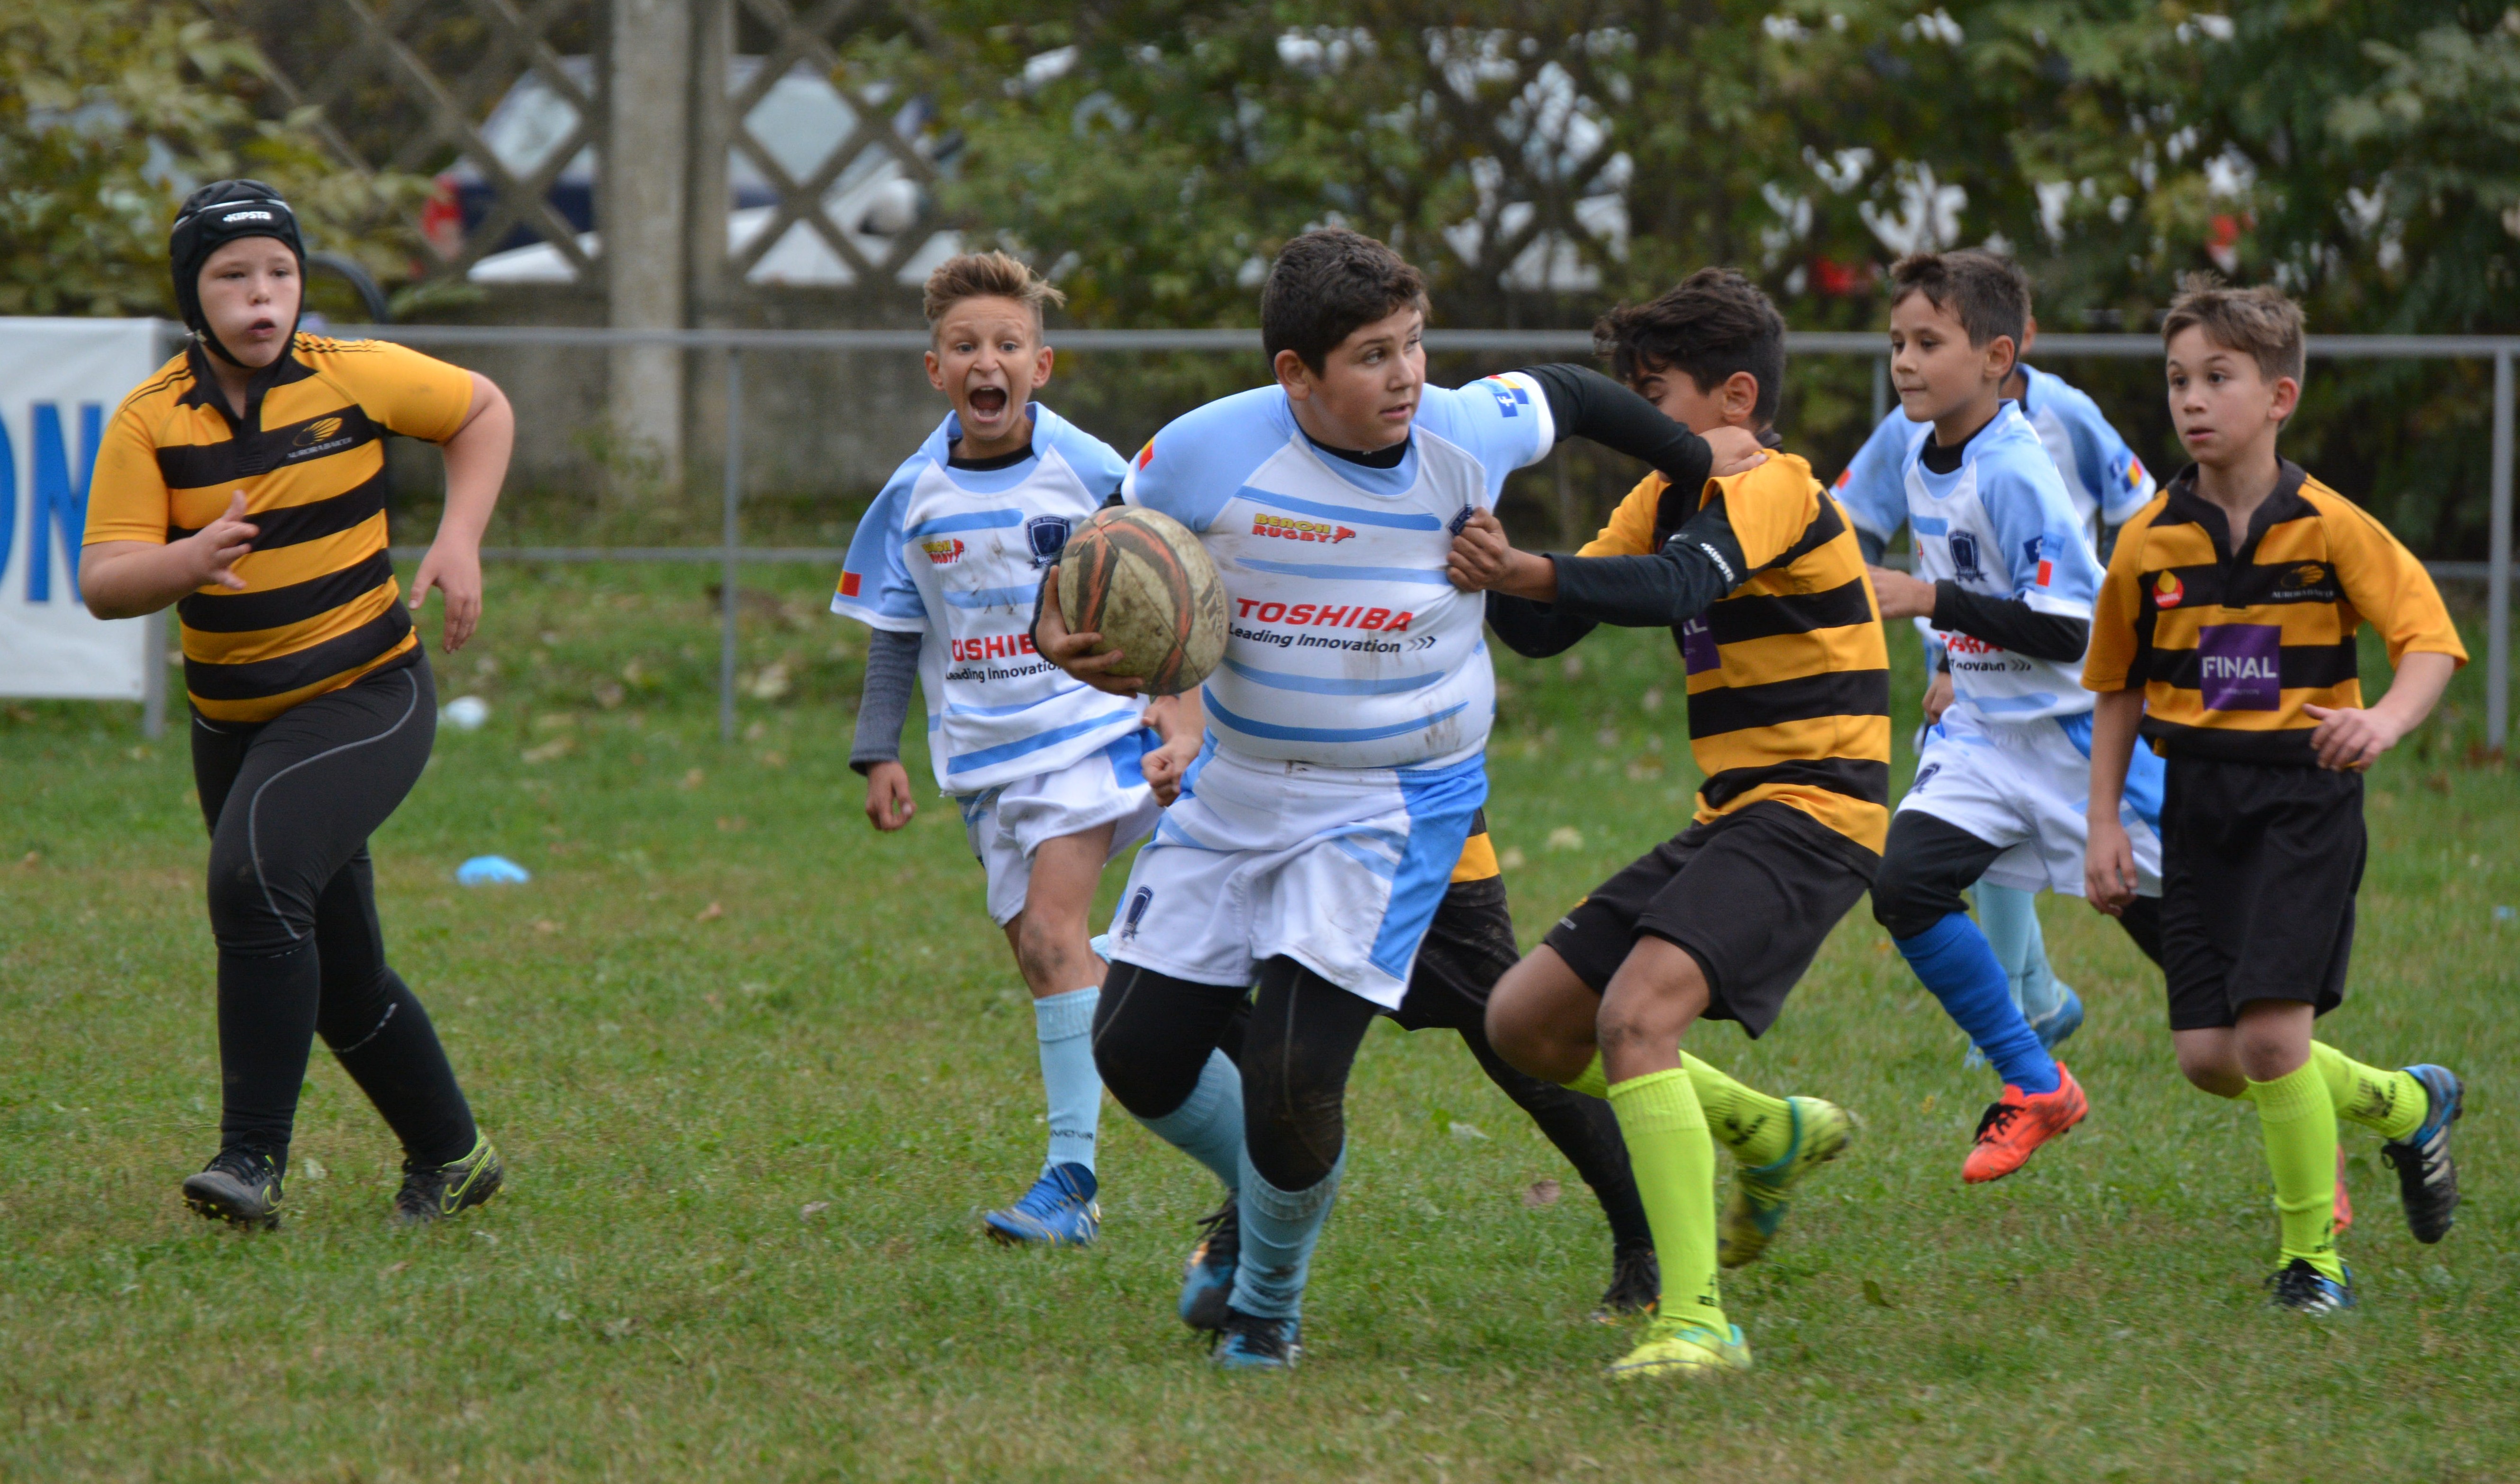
(2497,582)
(1881,390)
(153,676)
(727,590)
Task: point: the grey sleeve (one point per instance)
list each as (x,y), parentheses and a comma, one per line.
(891,667)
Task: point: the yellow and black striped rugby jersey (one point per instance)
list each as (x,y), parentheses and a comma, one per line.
(2230,644)
(319,608)
(1788,675)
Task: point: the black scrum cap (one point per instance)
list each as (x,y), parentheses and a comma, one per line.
(219,213)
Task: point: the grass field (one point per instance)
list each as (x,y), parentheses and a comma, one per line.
(757,1071)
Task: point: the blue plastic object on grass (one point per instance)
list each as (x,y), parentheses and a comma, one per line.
(491,871)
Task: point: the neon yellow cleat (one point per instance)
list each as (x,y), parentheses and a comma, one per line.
(1682,1351)
(1757,1205)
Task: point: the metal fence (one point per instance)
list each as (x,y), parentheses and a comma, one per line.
(733,344)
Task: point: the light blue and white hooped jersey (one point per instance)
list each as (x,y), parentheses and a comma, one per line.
(2104,479)
(1347,646)
(956,556)
(2001,524)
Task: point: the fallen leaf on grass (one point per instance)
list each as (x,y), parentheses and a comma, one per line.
(391,1269)
(545,925)
(1565,837)
(551,751)
(1543,1193)
(813,1208)
(711,912)
(1463,1130)
(694,779)
(1872,1295)
(1928,1106)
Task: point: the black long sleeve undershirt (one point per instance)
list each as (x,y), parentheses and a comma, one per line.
(1700,563)
(2009,623)
(1585,404)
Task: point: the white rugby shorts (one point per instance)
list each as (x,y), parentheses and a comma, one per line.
(2026,786)
(1341,869)
(1007,824)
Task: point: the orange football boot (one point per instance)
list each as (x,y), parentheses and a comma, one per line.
(2016,1124)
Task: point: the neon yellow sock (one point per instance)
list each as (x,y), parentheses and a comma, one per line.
(1757,1129)
(2392,1103)
(2299,1125)
(1592,1081)
(1674,1161)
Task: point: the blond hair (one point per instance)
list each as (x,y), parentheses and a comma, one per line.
(988,275)
(2259,323)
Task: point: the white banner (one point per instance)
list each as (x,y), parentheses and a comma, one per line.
(60,383)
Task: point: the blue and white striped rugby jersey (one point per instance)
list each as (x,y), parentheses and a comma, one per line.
(956,556)
(2002,524)
(1348,648)
(2102,477)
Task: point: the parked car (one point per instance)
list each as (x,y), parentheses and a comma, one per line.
(800,120)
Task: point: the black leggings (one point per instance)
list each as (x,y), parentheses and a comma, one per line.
(1929,861)
(1152,1033)
(291,803)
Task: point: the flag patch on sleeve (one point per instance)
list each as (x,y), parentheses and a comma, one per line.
(849,584)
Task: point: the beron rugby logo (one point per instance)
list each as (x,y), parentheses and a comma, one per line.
(943,552)
(1287,528)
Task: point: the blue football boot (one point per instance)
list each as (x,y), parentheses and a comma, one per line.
(1252,1343)
(1207,1278)
(2054,1027)
(1058,1211)
(2303,1289)
(2427,1180)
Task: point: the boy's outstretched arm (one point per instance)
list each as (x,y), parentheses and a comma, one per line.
(1585,404)
(1700,562)
(2108,857)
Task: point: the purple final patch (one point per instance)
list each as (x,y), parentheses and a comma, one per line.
(2240,666)
(1697,651)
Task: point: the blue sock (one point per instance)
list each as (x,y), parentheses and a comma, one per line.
(2010,918)
(1953,959)
(1208,1125)
(1065,1023)
(1280,1229)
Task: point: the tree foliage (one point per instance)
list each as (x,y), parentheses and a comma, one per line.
(110,111)
(1544,157)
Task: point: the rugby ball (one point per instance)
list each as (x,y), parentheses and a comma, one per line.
(1140,579)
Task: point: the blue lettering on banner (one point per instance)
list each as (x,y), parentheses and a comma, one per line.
(8,497)
(59,496)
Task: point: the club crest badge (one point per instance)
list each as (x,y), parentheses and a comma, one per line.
(1047,536)
(1964,557)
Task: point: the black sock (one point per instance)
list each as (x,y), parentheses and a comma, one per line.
(1585,1131)
(266,1026)
(384,1041)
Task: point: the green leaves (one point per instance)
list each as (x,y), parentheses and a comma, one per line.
(111,109)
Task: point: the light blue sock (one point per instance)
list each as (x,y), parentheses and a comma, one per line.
(1208,1125)
(1280,1229)
(2010,918)
(1065,1023)
(1952,959)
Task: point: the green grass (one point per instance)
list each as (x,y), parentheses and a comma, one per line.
(724,1003)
